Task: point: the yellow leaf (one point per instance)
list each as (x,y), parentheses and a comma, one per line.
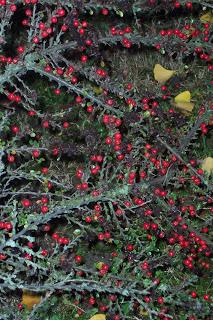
(161,74)
(207,17)
(29,299)
(184,96)
(97,90)
(98,317)
(183,101)
(99,265)
(207,165)
(143,312)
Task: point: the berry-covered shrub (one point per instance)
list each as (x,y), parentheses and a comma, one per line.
(105,159)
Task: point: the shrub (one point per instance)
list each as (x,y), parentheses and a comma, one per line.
(105,159)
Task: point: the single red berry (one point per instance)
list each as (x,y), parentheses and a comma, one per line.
(193,294)
(88,219)
(78,259)
(10,158)
(130,247)
(15,129)
(36,153)
(160,300)
(44,209)
(61,12)
(66,125)
(55,236)
(30,245)
(46,228)
(105,11)
(44,252)
(101,236)
(92,301)
(20,49)
(8,226)
(20,306)
(26,203)
(13,7)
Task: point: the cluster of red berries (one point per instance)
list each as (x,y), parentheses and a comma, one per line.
(104,236)
(194,296)
(121,32)
(6,226)
(82,186)
(178,4)
(60,240)
(14,98)
(204,128)
(101,72)
(104,269)
(46,29)
(111,121)
(9,60)
(116,140)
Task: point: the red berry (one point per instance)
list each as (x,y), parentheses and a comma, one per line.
(160,300)
(88,219)
(44,252)
(13,7)
(101,236)
(105,11)
(46,228)
(66,125)
(55,236)
(130,247)
(10,158)
(26,203)
(193,294)
(44,209)
(36,153)
(177,4)
(8,226)
(20,306)
(61,12)
(15,129)
(78,259)
(92,300)
(20,50)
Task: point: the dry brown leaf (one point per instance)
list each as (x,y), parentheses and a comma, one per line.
(207,17)
(29,299)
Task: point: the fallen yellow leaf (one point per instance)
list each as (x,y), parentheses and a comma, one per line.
(207,17)
(185,106)
(97,90)
(29,299)
(183,101)
(99,265)
(143,312)
(98,317)
(184,96)
(207,165)
(161,74)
